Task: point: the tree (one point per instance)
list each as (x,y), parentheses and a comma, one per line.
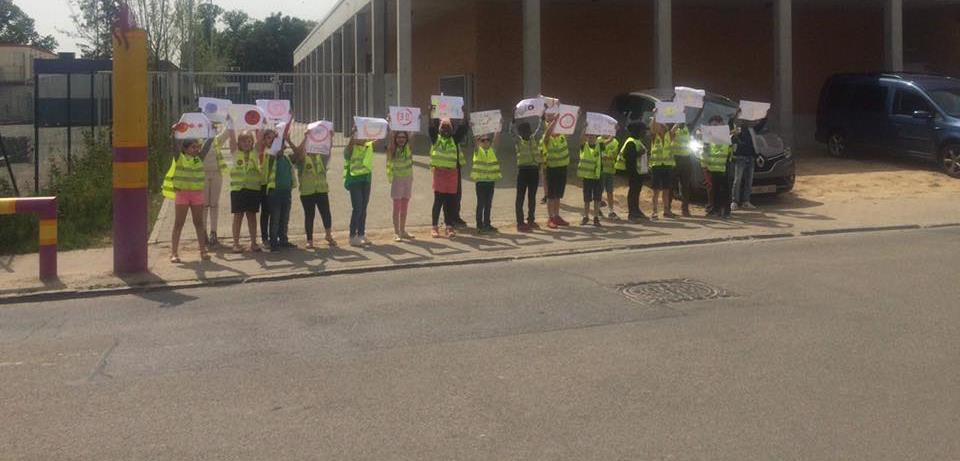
(93,23)
(17,27)
(159,19)
(200,49)
(267,46)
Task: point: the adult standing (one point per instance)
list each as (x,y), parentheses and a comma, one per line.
(445,161)
(745,157)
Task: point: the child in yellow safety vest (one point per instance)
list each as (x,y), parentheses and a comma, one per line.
(246,177)
(661,165)
(183,184)
(214,169)
(357,179)
(716,162)
(400,175)
(589,170)
(485,172)
(314,191)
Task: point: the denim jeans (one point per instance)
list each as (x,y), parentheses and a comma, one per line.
(279,216)
(742,180)
(485,191)
(359,199)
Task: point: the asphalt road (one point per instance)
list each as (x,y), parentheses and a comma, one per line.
(834,347)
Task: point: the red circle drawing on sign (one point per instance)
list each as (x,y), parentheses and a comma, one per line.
(319,134)
(252,117)
(277,108)
(567,121)
(181,127)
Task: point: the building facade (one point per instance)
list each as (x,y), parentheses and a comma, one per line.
(367,54)
(16,81)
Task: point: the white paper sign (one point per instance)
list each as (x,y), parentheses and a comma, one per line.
(601,124)
(193,125)
(533,107)
(319,137)
(215,109)
(282,129)
(442,107)
(689,97)
(246,117)
(486,122)
(753,111)
(405,119)
(551,105)
(715,134)
(567,117)
(670,112)
(275,110)
(371,128)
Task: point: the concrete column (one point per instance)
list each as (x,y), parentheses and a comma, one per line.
(378,46)
(663,43)
(346,90)
(532,69)
(328,80)
(317,90)
(783,68)
(360,30)
(337,106)
(404,52)
(893,35)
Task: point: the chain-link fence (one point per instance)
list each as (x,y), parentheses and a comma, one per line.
(64,108)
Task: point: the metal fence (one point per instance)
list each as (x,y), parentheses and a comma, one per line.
(65,107)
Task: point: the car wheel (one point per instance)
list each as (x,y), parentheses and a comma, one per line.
(837,144)
(950,160)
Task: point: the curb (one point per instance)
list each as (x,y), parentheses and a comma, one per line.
(59,295)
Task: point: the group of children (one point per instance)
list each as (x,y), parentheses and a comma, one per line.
(262,181)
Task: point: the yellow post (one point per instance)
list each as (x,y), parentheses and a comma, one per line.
(130,198)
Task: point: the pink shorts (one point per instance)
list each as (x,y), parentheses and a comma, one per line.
(189,197)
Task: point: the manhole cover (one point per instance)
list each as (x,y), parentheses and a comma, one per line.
(672,291)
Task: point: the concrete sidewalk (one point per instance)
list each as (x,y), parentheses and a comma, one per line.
(88,272)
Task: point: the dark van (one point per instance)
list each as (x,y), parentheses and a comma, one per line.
(915,115)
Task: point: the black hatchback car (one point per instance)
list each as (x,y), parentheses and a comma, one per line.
(915,115)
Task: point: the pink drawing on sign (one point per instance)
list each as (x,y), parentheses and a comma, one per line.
(277,108)
(319,134)
(372,130)
(567,120)
(405,116)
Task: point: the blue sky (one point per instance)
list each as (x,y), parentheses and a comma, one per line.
(52,16)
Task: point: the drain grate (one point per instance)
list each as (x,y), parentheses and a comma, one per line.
(672,291)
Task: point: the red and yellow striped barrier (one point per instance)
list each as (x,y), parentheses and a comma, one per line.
(46,209)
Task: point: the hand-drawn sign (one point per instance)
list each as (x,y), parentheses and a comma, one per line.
(670,112)
(192,125)
(370,128)
(246,117)
(405,119)
(533,107)
(215,109)
(442,107)
(275,110)
(486,122)
(319,137)
(566,119)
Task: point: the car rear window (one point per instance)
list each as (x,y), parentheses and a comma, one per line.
(868,98)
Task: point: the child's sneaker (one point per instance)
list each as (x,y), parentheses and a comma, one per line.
(596,221)
(552,223)
(584,221)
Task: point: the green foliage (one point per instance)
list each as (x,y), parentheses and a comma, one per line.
(84,197)
(260,46)
(17,27)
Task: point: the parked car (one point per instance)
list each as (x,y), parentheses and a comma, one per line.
(775,170)
(904,114)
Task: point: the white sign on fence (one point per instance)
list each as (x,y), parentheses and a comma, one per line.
(533,107)
(689,97)
(275,110)
(670,112)
(551,105)
(369,128)
(486,122)
(715,134)
(442,107)
(601,124)
(319,137)
(405,119)
(567,117)
(193,125)
(215,109)
(246,117)
(752,111)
